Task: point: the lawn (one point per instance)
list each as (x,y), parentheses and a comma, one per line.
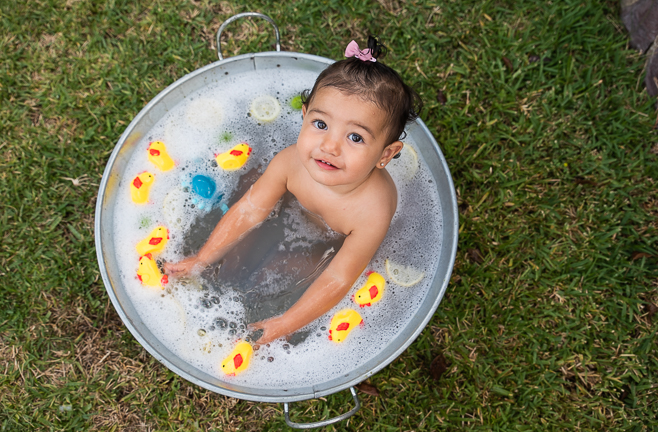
(549,322)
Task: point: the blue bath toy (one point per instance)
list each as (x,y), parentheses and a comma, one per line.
(203,186)
(208,205)
(204,193)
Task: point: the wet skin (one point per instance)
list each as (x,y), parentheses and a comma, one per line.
(336,171)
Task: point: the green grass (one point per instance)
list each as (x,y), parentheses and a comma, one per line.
(548,132)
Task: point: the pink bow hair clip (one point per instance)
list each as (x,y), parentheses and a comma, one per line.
(353,50)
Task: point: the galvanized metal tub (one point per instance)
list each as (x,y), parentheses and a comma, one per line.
(107,253)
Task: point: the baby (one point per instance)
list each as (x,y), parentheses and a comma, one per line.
(352,121)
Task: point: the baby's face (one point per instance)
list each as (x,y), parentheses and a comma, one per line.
(342,138)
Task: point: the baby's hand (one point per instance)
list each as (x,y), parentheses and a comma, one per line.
(188,266)
(273,328)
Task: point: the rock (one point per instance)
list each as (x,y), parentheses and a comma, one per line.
(641,20)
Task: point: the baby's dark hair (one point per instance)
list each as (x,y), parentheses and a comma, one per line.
(374,82)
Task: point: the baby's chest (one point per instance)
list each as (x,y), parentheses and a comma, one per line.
(326,211)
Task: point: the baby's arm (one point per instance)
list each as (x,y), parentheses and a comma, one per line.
(244,215)
(332,285)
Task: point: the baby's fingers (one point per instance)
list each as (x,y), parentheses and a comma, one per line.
(264,330)
(175,269)
(255,326)
(264,339)
(170,268)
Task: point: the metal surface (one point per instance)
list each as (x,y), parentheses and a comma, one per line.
(106,252)
(244,15)
(338,418)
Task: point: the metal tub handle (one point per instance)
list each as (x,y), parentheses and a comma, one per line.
(243,15)
(322,423)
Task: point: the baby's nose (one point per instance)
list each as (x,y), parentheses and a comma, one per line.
(330,145)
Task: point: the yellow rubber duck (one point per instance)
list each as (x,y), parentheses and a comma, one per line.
(343,323)
(157,153)
(141,186)
(234,158)
(372,291)
(155,242)
(239,359)
(149,273)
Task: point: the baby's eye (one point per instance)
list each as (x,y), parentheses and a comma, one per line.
(320,124)
(355,137)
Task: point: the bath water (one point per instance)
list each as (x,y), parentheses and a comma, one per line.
(202,318)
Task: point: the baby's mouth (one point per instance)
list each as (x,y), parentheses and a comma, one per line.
(325,164)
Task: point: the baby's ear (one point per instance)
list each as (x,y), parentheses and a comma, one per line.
(303,110)
(389,153)
(393,149)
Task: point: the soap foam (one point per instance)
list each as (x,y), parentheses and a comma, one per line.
(203,325)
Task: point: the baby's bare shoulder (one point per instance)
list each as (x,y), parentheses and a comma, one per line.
(274,182)
(375,207)
(284,157)
(280,165)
